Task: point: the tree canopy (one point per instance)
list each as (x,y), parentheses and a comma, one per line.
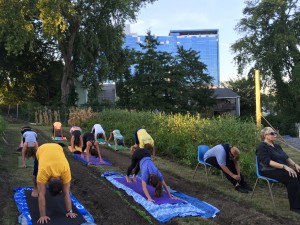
(86,35)
(159,81)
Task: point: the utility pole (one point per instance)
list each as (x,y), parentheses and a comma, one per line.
(257,97)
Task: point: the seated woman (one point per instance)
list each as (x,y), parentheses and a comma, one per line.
(274,163)
(141,138)
(30,145)
(99,132)
(57,127)
(141,160)
(91,146)
(226,158)
(76,138)
(118,139)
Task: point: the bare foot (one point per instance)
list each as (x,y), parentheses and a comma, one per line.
(34,193)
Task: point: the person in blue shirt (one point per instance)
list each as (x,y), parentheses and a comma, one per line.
(141,160)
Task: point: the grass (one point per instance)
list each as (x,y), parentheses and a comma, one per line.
(261,201)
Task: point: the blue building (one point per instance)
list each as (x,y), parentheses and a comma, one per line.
(204,41)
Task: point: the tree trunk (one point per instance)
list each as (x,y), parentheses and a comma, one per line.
(67,48)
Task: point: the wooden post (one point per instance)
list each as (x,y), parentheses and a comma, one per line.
(257,97)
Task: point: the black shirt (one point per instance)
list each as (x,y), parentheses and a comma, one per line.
(265,153)
(136,158)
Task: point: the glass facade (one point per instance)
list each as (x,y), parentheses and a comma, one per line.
(204,41)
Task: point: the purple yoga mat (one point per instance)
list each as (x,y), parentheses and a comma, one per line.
(93,160)
(137,187)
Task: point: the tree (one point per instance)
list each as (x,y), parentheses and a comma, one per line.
(85,34)
(160,81)
(270,43)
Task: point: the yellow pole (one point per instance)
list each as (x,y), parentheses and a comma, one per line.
(257,97)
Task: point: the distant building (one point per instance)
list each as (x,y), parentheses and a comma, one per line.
(205,41)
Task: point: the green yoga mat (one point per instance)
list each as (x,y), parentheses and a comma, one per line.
(101,141)
(120,148)
(29,162)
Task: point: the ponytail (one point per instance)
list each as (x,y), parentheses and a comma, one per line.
(155,182)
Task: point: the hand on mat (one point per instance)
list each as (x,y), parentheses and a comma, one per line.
(150,200)
(43,219)
(173,197)
(134,178)
(71,215)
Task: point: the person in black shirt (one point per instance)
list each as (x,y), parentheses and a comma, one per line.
(138,154)
(274,163)
(91,146)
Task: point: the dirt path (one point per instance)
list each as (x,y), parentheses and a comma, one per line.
(107,204)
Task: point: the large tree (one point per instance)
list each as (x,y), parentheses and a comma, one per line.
(271,30)
(160,81)
(85,34)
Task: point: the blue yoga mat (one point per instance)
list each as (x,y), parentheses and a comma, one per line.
(188,206)
(55,207)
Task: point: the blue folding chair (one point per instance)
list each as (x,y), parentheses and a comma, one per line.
(201,151)
(270,182)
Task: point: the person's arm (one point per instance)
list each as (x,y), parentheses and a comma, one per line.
(42,203)
(144,186)
(293,164)
(67,199)
(154,152)
(110,137)
(167,189)
(81,141)
(88,145)
(277,165)
(234,176)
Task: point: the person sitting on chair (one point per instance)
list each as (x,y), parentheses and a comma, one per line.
(76,138)
(57,127)
(91,146)
(53,168)
(118,139)
(274,163)
(226,158)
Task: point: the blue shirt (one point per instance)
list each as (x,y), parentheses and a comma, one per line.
(147,168)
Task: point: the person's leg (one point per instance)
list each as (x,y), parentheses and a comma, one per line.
(116,144)
(72,143)
(34,192)
(292,184)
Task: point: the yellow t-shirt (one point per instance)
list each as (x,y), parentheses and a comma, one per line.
(144,138)
(52,163)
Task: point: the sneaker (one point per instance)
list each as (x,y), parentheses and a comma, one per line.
(247,187)
(240,189)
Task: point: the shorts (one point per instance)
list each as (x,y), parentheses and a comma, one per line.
(76,133)
(120,141)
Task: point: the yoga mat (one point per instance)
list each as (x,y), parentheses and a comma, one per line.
(101,141)
(93,160)
(137,187)
(165,212)
(55,208)
(120,147)
(59,138)
(76,148)
(29,162)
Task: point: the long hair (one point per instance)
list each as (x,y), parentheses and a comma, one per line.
(55,187)
(155,182)
(30,152)
(76,140)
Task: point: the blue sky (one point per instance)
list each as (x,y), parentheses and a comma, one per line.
(165,15)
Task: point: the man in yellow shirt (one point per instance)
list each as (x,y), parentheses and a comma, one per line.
(54,169)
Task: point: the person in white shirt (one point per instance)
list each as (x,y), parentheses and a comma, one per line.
(118,138)
(99,132)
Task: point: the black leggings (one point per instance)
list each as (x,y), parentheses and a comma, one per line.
(292,185)
(213,161)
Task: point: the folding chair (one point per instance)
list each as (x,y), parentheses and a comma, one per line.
(201,151)
(269,180)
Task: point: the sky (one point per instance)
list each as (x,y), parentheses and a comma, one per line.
(165,15)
